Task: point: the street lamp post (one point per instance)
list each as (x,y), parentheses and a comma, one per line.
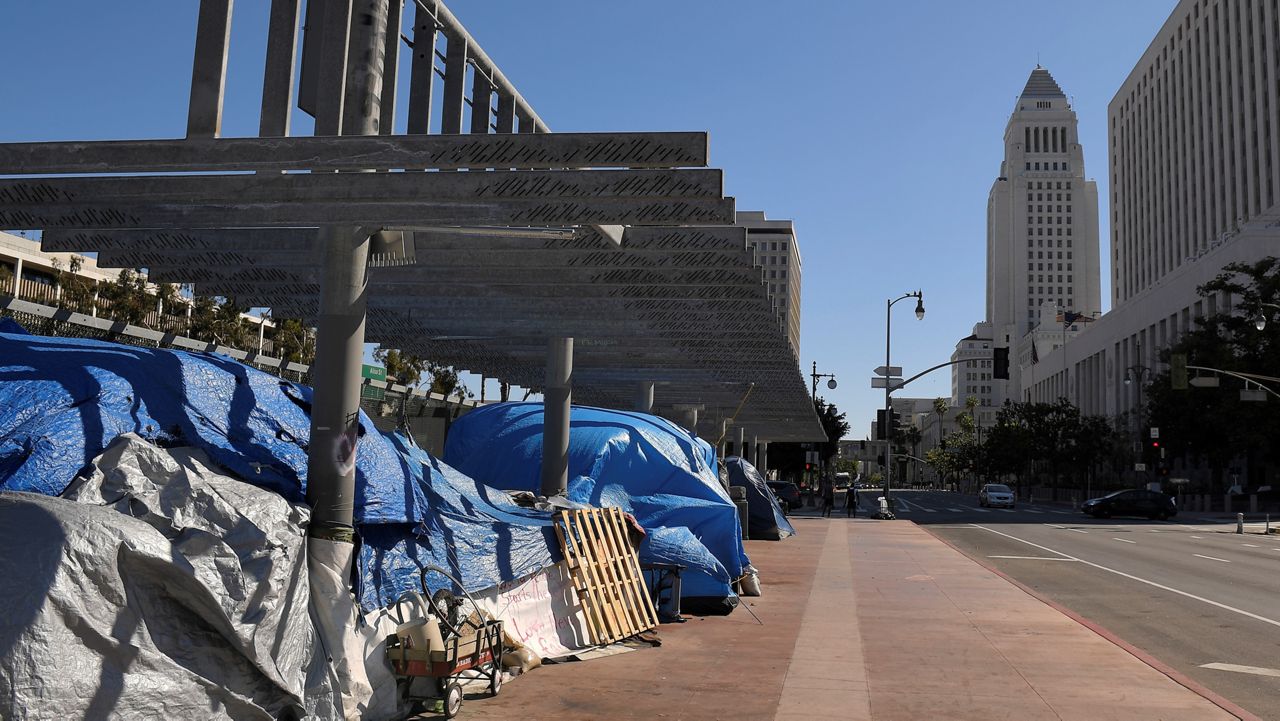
(1138,372)
(816,375)
(888,402)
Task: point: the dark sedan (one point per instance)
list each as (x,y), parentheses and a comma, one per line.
(1133,502)
(788,494)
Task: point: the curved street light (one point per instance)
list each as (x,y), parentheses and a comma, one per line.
(1261,321)
(888,403)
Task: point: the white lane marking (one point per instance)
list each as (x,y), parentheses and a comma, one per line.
(1033,558)
(1132,577)
(927,510)
(1198,538)
(1123,540)
(1061,513)
(1076,530)
(1034,510)
(1054,525)
(1255,670)
(1248,545)
(1211,558)
(979,509)
(1005,510)
(956,510)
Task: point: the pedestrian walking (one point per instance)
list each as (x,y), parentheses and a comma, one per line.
(851,502)
(828,498)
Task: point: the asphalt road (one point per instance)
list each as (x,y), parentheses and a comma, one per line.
(1190,592)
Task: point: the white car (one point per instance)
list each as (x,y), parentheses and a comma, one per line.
(995,494)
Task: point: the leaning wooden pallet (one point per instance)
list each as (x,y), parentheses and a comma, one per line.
(606,573)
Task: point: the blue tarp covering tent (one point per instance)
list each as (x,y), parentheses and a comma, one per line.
(638,462)
(63,400)
(9,325)
(765,519)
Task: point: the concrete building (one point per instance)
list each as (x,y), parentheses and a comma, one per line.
(778,254)
(1042,221)
(1195,174)
(971,376)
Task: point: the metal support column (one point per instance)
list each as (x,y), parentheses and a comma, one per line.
(754,456)
(422,73)
(644,397)
(335,410)
(278,76)
(209,69)
(763,465)
(557,398)
(740,448)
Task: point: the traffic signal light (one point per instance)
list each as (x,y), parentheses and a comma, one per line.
(808,466)
(1001,370)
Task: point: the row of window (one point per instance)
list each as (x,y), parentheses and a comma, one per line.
(762,245)
(778,274)
(1041,196)
(1036,166)
(1045,140)
(1057,302)
(1040,209)
(1040,279)
(1049,185)
(1040,266)
(1048,220)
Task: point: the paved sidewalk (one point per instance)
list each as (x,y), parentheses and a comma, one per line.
(863,620)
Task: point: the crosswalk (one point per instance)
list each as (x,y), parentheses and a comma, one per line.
(907,507)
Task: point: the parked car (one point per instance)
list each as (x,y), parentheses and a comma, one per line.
(788,494)
(1132,502)
(995,494)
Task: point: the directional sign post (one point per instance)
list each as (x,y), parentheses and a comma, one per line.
(890,383)
(889,371)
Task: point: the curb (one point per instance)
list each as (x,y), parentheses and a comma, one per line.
(1173,674)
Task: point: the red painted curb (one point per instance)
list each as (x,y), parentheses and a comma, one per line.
(1174,675)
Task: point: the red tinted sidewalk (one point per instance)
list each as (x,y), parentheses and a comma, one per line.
(863,620)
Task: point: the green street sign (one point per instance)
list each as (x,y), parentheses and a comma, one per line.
(376,373)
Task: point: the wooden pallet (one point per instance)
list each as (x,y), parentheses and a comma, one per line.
(606,573)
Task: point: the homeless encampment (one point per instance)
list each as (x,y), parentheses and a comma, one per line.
(765,519)
(640,463)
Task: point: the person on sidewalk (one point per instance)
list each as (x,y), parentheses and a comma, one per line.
(828,498)
(851,502)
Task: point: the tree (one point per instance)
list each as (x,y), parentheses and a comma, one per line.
(834,425)
(126,298)
(1213,425)
(76,291)
(293,342)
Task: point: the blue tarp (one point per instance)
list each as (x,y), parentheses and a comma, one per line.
(63,400)
(765,519)
(638,462)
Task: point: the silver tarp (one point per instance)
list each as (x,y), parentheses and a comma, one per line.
(158,589)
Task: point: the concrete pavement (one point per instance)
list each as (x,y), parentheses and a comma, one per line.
(864,620)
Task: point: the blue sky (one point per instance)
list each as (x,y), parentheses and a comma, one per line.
(876,126)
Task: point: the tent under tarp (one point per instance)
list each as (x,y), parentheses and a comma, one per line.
(765,519)
(157,589)
(63,400)
(638,462)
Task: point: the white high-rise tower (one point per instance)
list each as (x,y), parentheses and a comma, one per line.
(1042,221)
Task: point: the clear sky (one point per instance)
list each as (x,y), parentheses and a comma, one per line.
(876,126)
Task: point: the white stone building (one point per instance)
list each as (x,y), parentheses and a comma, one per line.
(778,255)
(1042,222)
(1195,179)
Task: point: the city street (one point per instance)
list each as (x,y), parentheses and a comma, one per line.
(1189,592)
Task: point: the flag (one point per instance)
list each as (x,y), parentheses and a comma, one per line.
(1035,356)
